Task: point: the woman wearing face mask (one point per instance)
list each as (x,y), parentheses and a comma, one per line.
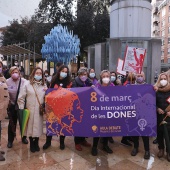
(4,100)
(140,80)
(104,81)
(81,81)
(162,103)
(114,78)
(33,93)
(92,76)
(61,79)
(13,86)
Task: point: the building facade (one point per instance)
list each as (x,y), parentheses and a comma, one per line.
(155,32)
(164,32)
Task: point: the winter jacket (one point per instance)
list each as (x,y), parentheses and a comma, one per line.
(4,98)
(35,122)
(78,83)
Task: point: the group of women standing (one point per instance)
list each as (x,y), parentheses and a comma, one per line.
(30,94)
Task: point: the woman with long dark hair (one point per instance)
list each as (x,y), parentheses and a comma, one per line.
(61,79)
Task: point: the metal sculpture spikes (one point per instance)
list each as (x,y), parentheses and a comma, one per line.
(60,45)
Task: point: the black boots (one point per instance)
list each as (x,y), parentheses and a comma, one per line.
(36,141)
(10,144)
(62,145)
(48,142)
(24,140)
(34,147)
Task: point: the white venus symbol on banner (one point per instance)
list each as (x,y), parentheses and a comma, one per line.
(142,124)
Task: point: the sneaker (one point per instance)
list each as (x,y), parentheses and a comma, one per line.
(85,143)
(125,143)
(134,152)
(107,149)
(147,155)
(94,151)
(78,147)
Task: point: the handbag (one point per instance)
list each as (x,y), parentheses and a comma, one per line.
(41,106)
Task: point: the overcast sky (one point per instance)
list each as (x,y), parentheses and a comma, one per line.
(15,9)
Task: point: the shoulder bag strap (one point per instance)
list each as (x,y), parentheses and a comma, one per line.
(18,91)
(36,94)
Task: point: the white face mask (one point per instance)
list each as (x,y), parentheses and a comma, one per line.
(105,80)
(163,82)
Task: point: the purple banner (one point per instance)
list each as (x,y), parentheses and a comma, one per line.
(105,111)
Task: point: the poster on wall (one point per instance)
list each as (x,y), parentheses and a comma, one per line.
(119,67)
(134,59)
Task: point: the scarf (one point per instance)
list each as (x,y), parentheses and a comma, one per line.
(37,82)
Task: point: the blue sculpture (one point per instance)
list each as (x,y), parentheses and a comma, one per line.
(60,45)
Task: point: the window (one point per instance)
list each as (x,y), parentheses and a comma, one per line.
(162,53)
(168,50)
(163,41)
(162,60)
(168,60)
(163,33)
(169,8)
(169,30)
(168,40)
(163,11)
(169,19)
(163,23)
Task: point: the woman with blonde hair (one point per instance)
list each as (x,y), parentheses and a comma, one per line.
(33,93)
(105,80)
(14,83)
(163,113)
(4,100)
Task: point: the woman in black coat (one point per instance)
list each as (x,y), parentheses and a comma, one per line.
(61,79)
(162,102)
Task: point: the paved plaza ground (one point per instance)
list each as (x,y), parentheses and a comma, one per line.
(20,158)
